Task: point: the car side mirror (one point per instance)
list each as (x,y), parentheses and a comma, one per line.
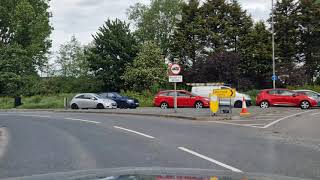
(93,98)
(294,95)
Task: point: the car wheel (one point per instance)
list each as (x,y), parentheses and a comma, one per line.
(264,104)
(238,104)
(74,106)
(198,105)
(164,105)
(100,106)
(304,105)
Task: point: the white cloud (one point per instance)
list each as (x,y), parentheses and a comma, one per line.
(82,18)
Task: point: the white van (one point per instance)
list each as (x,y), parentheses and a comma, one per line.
(236,102)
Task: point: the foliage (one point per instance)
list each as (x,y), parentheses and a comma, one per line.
(156,22)
(214,26)
(219,67)
(72,60)
(145,97)
(147,70)
(114,48)
(256,53)
(24,42)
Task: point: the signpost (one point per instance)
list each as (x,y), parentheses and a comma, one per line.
(225,93)
(174,71)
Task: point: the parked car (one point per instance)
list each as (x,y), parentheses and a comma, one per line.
(311,94)
(236,102)
(91,101)
(122,101)
(165,99)
(284,97)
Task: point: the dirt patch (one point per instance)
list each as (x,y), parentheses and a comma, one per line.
(4,139)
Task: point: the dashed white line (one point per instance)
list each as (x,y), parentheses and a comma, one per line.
(209,159)
(235,124)
(135,132)
(293,115)
(314,114)
(36,116)
(82,120)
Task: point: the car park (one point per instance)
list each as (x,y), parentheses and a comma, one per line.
(311,94)
(236,102)
(165,99)
(91,101)
(284,97)
(122,101)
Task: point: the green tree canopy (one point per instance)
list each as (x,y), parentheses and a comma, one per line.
(156,22)
(114,47)
(72,60)
(148,68)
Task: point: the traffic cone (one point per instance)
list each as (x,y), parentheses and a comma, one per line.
(244,111)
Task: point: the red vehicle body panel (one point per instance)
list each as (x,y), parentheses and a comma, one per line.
(182,101)
(288,99)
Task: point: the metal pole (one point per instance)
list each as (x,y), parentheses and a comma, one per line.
(175,97)
(273,49)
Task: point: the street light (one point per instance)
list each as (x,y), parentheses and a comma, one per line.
(273,49)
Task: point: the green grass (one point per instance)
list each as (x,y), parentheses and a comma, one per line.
(145,98)
(37,102)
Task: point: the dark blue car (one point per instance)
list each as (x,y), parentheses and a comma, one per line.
(122,101)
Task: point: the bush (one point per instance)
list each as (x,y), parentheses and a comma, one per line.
(145,98)
(6,103)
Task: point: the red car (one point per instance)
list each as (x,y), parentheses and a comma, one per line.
(284,97)
(165,99)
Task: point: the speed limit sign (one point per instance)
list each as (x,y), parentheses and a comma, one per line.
(175,69)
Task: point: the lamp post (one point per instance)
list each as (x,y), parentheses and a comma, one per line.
(273,49)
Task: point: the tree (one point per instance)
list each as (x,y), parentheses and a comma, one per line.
(24,42)
(219,67)
(185,44)
(215,26)
(286,36)
(71,59)
(148,68)
(114,48)
(256,53)
(309,46)
(156,22)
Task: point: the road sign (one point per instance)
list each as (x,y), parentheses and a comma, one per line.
(274,78)
(225,93)
(175,79)
(175,69)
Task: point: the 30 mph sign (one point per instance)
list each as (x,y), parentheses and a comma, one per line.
(175,69)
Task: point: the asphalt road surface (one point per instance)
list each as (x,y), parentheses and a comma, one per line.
(47,142)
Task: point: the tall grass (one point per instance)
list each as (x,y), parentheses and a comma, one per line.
(37,102)
(145,98)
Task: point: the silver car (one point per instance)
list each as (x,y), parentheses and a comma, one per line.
(311,94)
(91,101)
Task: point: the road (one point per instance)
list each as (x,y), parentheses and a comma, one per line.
(48,142)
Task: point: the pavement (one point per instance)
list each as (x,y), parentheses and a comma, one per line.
(41,142)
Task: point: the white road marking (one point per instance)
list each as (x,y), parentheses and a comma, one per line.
(250,120)
(36,116)
(235,124)
(82,120)
(209,159)
(315,114)
(293,115)
(256,124)
(135,132)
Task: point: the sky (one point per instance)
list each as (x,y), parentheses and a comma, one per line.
(82,18)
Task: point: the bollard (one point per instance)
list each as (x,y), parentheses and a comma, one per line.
(65,103)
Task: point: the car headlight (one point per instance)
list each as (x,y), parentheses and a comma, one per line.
(130,101)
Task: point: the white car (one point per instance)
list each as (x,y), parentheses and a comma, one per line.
(91,101)
(236,102)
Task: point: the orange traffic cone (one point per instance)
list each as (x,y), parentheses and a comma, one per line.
(244,111)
